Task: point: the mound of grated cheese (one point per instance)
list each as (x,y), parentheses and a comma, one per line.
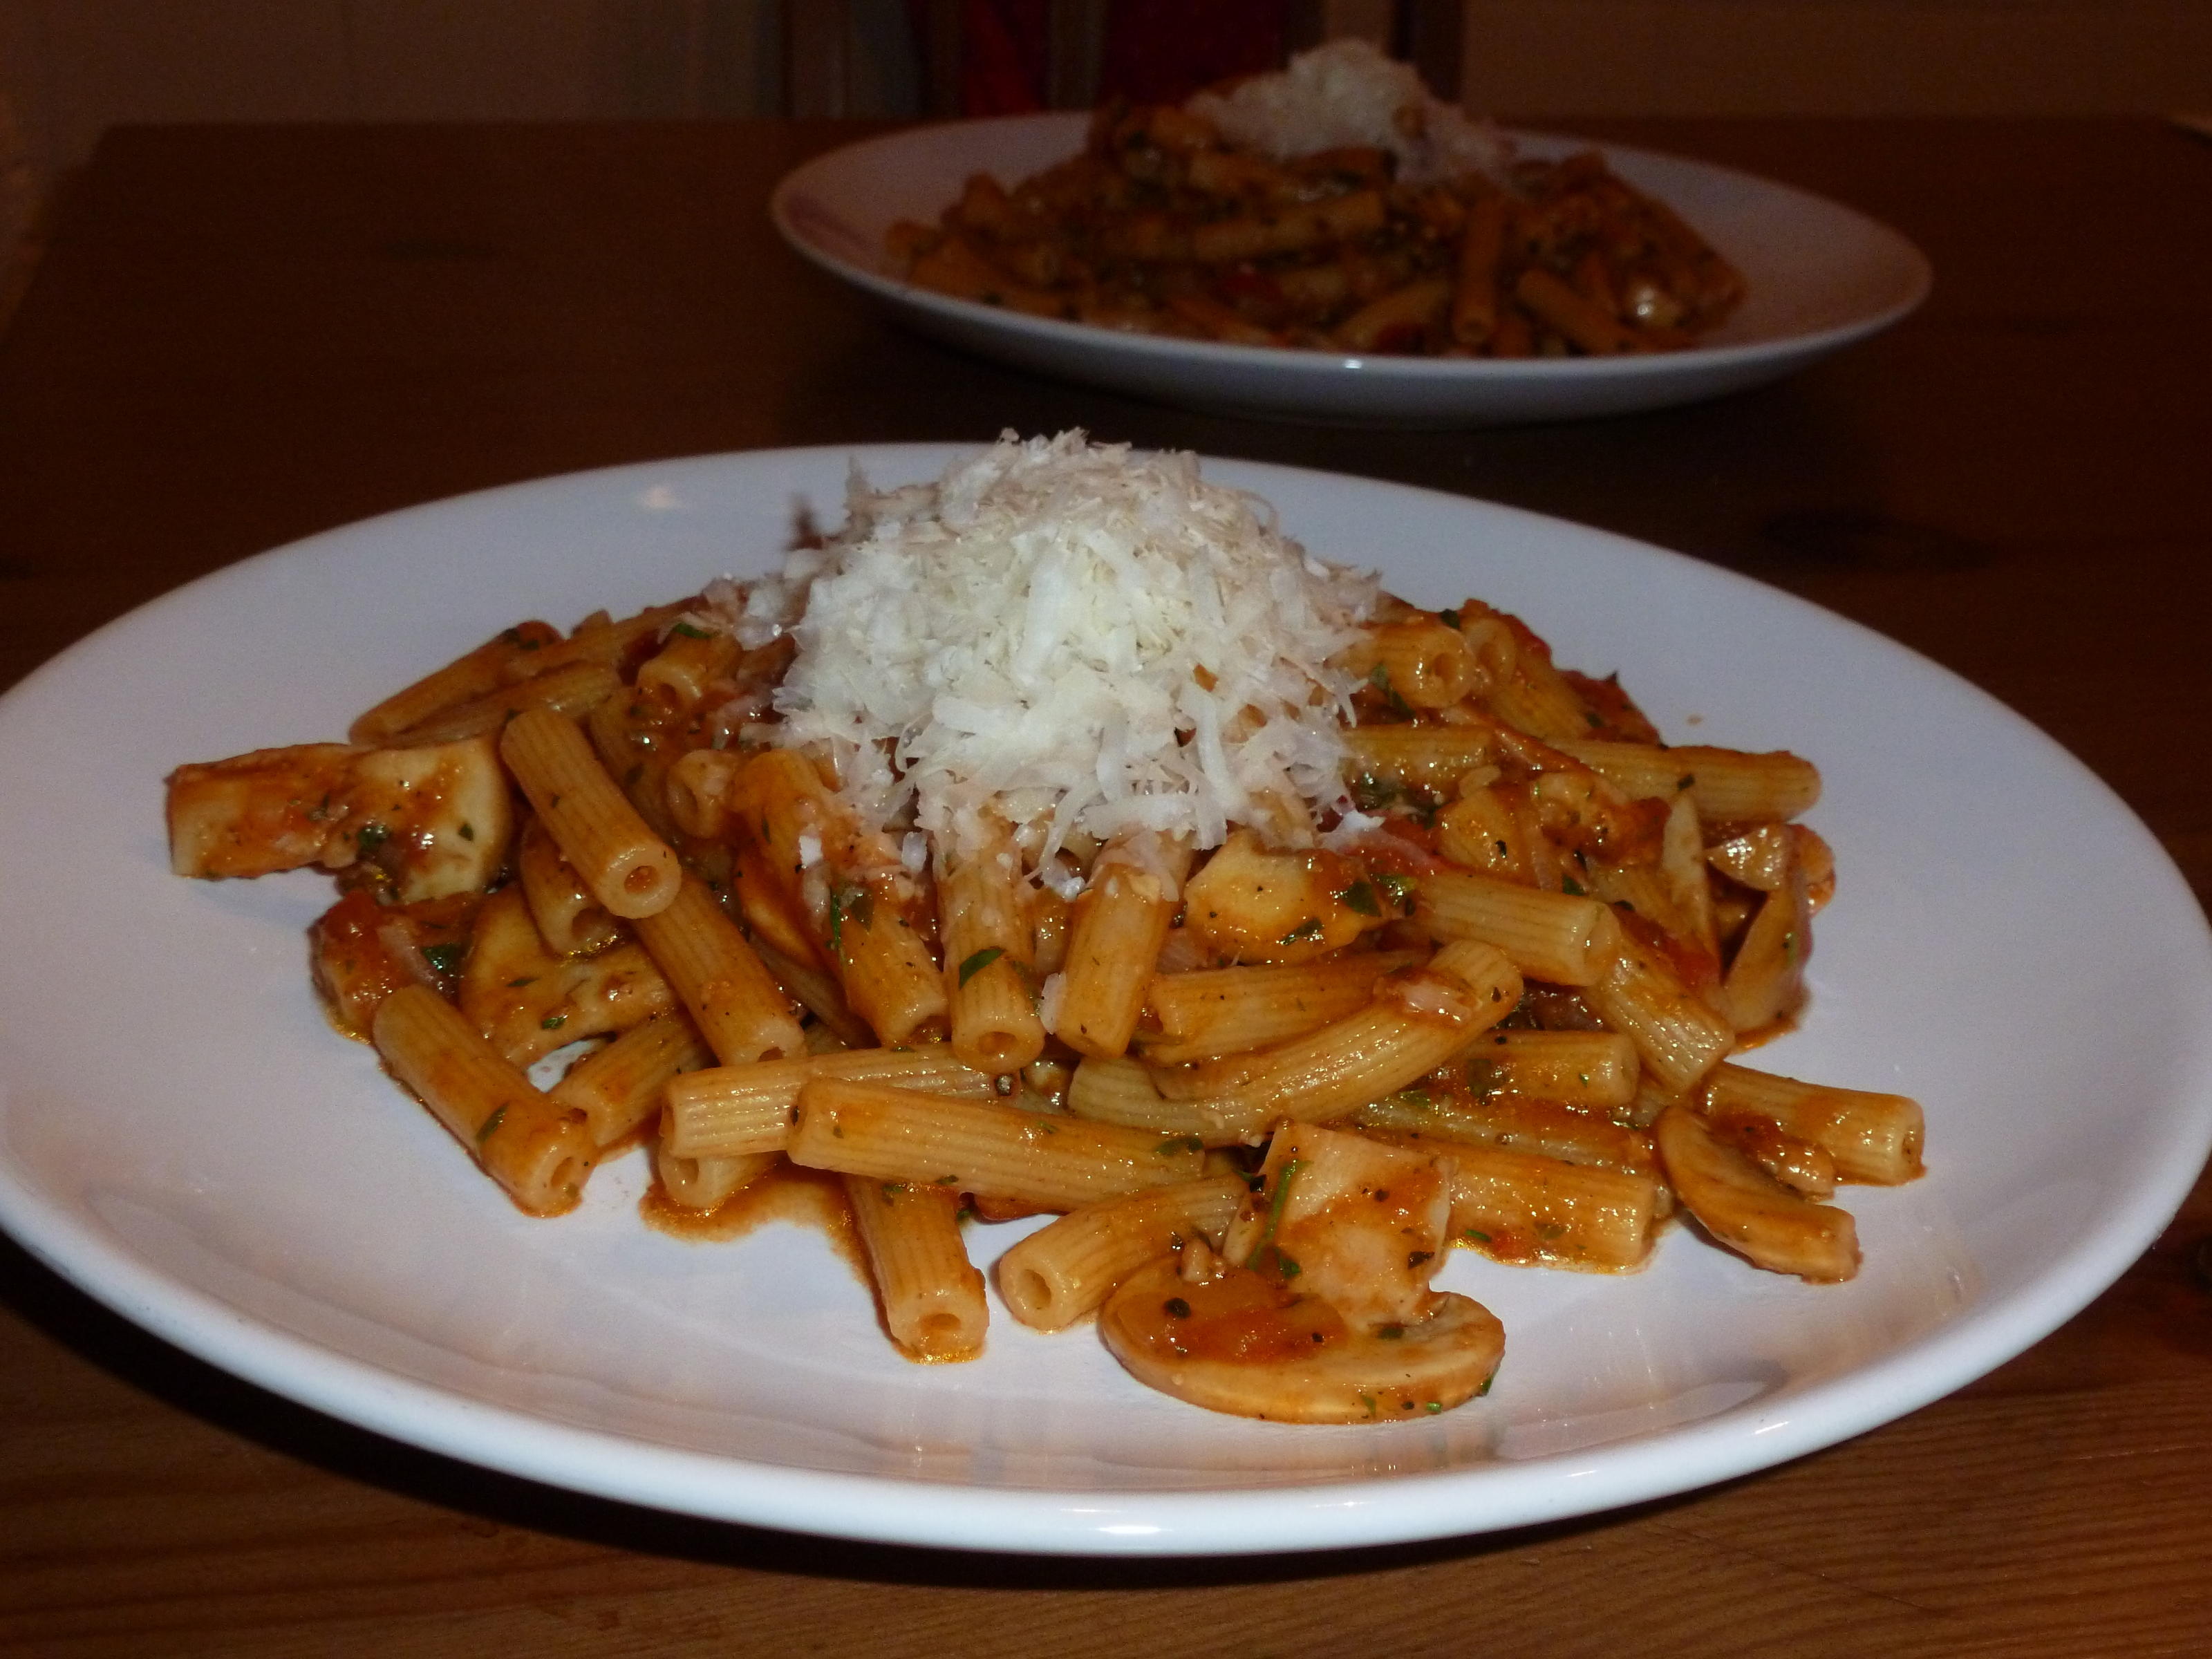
(1348,93)
(1073,635)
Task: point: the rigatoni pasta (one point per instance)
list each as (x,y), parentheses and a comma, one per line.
(1336,206)
(1062,839)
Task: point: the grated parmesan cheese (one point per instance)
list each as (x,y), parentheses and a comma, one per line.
(1085,640)
(1348,93)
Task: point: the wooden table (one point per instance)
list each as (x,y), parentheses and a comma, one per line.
(241,336)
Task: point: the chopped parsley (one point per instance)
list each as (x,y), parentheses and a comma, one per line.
(1371,794)
(1401,889)
(856,902)
(553,1022)
(444,958)
(1311,928)
(1360,898)
(690,631)
(370,836)
(982,959)
(1175,1144)
(1379,677)
(498,1116)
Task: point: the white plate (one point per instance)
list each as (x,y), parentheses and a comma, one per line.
(1820,276)
(183,1135)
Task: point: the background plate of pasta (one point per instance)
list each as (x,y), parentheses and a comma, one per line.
(1319,1059)
(1332,243)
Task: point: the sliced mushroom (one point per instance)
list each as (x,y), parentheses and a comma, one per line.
(1747,1209)
(1243,1343)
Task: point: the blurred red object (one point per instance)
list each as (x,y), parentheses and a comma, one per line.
(1155,51)
(1160,51)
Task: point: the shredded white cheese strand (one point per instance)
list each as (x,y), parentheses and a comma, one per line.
(1071,635)
(1348,93)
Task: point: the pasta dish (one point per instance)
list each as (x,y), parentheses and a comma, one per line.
(1059,838)
(1336,206)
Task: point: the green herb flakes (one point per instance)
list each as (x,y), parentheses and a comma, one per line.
(982,959)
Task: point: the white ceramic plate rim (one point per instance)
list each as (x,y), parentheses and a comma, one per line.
(1198,356)
(1228,1519)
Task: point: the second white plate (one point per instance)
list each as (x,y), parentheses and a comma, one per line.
(1819,276)
(183,1135)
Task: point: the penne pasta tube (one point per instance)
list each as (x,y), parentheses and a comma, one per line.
(470,676)
(571,691)
(932,1295)
(619,1087)
(1513,1122)
(1873,1138)
(1678,1037)
(984,926)
(631,870)
(1580,319)
(1121,922)
(1051,1161)
(569,917)
(891,980)
(729,1111)
(1522,1207)
(1434,757)
(1223,1011)
(698,784)
(707,1183)
(851,887)
(1597,1070)
(539,1151)
(1425,664)
(1411,310)
(1474,293)
(611,643)
(1732,786)
(678,677)
(817,990)
(626,736)
(1116,1090)
(1418,1021)
(955,267)
(736,1003)
(1480,832)
(1253,236)
(1564,939)
(1059,1274)
(1536,697)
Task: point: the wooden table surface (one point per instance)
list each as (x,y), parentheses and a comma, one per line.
(240,336)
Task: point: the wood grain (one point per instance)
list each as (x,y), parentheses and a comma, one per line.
(243,334)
